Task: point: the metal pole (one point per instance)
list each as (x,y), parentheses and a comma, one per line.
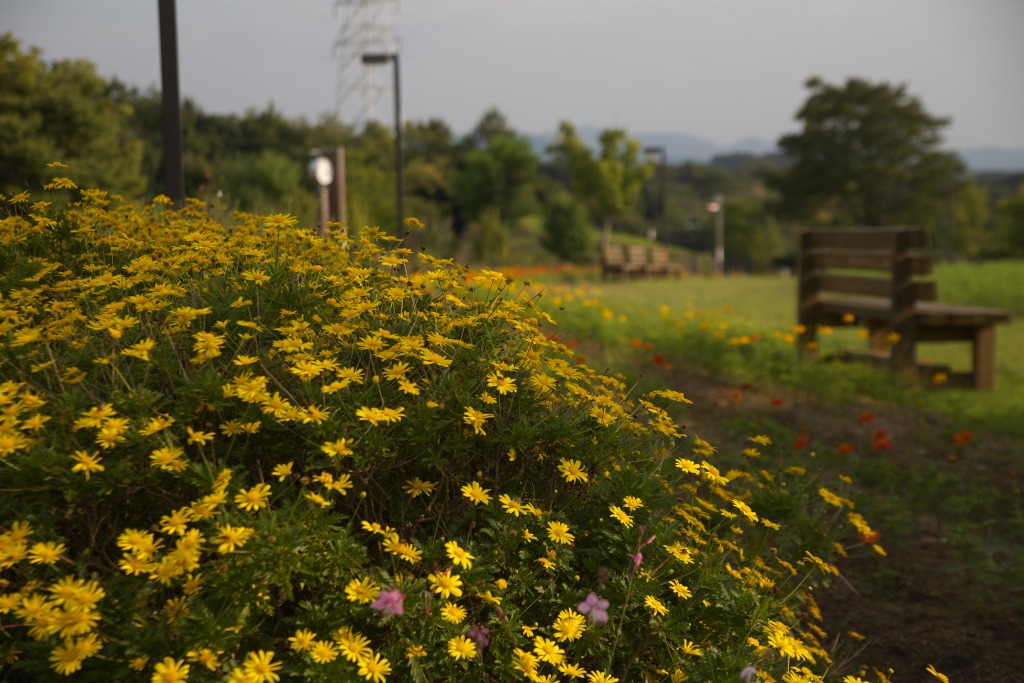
(399,155)
(174,167)
(664,192)
(720,235)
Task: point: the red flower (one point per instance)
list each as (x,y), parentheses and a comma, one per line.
(649,346)
(776,401)
(866,417)
(736,395)
(845,448)
(881,441)
(801,441)
(659,359)
(963,437)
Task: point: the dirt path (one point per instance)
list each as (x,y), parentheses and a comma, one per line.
(951,591)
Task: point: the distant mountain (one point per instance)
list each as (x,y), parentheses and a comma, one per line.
(683,147)
(980,159)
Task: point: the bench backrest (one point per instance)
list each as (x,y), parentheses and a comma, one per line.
(613,255)
(865,262)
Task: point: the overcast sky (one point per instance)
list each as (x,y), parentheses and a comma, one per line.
(720,69)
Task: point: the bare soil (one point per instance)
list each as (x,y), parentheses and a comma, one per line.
(924,604)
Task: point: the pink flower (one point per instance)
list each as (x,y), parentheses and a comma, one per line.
(595,607)
(390,602)
(479,635)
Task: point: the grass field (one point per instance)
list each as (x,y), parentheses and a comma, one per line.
(741,327)
(937,468)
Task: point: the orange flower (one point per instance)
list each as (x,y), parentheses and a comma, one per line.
(866,417)
(963,437)
(844,448)
(635,343)
(801,441)
(881,441)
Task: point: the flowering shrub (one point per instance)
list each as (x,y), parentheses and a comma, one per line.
(249,453)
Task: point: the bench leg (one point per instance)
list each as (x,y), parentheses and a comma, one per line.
(985,357)
(903,354)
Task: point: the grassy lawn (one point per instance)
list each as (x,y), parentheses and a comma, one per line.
(937,469)
(739,326)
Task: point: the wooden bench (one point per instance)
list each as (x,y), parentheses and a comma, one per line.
(637,260)
(871,277)
(619,261)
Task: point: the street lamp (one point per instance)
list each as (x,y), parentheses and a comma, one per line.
(660,150)
(717,207)
(384,58)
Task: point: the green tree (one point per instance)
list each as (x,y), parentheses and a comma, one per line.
(753,238)
(612,182)
(1009,221)
(566,227)
(261,183)
(498,170)
(62,112)
(868,154)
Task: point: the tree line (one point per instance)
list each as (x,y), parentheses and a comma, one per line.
(864,154)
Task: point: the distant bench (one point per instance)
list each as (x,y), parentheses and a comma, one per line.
(636,260)
(867,277)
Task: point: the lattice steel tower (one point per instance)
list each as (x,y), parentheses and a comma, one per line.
(366,26)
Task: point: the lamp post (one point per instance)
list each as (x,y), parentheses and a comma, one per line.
(717,207)
(384,58)
(660,150)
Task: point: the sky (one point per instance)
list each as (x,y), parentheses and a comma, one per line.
(724,70)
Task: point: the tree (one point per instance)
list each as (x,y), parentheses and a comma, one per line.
(566,227)
(868,154)
(612,182)
(62,112)
(497,169)
(1010,222)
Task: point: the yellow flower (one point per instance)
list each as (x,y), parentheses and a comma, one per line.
(460,557)
(375,668)
(200,438)
(475,419)
(476,493)
(338,448)
(511,506)
(453,613)
(86,463)
(259,664)
(503,385)
(620,515)
(687,466)
(362,591)
(414,651)
(601,677)
(569,625)
(559,533)
(170,670)
(633,503)
(282,470)
(942,677)
(417,487)
(691,649)
(655,605)
(280,220)
(679,589)
(232,537)
(548,651)
(254,498)
(45,553)
(302,639)
(572,471)
(354,646)
(461,647)
(323,651)
(446,584)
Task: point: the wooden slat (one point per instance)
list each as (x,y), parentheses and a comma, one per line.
(874,259)
(862,238)
(869,286)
